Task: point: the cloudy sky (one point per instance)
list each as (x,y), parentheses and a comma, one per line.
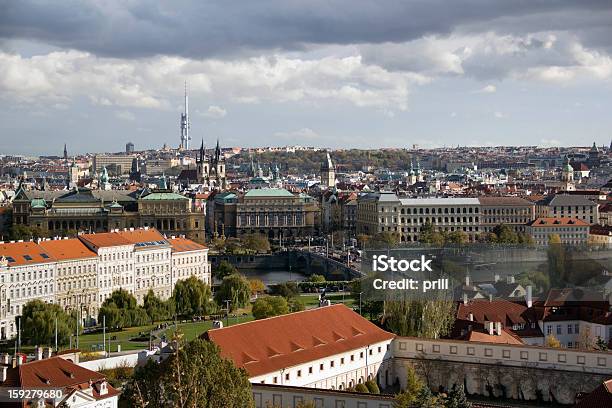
(334,73)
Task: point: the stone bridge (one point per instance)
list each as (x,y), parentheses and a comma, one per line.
(312,262)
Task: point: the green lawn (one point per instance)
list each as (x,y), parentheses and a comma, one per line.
(88,341)
(190,330)
(312,300)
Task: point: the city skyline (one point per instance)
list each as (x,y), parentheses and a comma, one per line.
(344,75)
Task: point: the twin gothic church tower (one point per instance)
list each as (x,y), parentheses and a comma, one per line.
(211,169)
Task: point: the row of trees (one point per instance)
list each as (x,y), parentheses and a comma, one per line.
(501,234)
(248,244)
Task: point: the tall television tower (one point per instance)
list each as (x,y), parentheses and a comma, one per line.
(185,124)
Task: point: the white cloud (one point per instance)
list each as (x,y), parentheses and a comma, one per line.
(300,134)
(499,115)
(550,143)
(125,115)
(215,112)
(156,82)
(488,89)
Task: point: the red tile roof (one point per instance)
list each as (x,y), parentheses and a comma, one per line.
(24,253)
(183,245)
(55,372)
(62,249)
(104,239)
(268,345)
(141,235)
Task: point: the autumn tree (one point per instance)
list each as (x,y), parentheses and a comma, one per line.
(195,376)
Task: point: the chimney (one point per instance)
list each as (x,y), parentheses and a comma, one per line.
(529,299)
(510,279)
(471,317)
(4,374)
(48,352)
(465,299)
(6,358)
(489,328)
(14,362)
(467,280)
(490,298)
(498,328)
(496,278)
(38,351)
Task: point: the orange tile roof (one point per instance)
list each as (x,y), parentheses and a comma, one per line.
(183,245)
(63,249)
(24,253)
(141,235)
(268,345)
(104,239)
(506,337)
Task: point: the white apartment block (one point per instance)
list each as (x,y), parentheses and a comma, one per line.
(189,259)
(76,275)
(385,212)
(82,272)
(26,273)
(571,231)
(115,262)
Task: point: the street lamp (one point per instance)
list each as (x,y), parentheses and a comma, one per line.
(227,303)
(360,303)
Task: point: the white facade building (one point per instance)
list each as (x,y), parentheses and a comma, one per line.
(26,273)
(82,272)
(330,347)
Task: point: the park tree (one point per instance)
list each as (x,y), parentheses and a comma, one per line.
(257,286)
(285,289)
(430,236)
(195,376)
(385,239)
(38,323)
(121,310)
(236,289)
(256,242)
(269,306)
(503,234)
(224,269)
(192,297)
(316,278)
(420,317)
(157,309)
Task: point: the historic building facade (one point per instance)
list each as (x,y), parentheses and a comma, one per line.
(80,273)
(273,212)
(385,212)
(83,209)
(514,212)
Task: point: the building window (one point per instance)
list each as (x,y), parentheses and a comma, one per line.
(321,367)
(309,370)
(332,363)
(569,329)
(559,329)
